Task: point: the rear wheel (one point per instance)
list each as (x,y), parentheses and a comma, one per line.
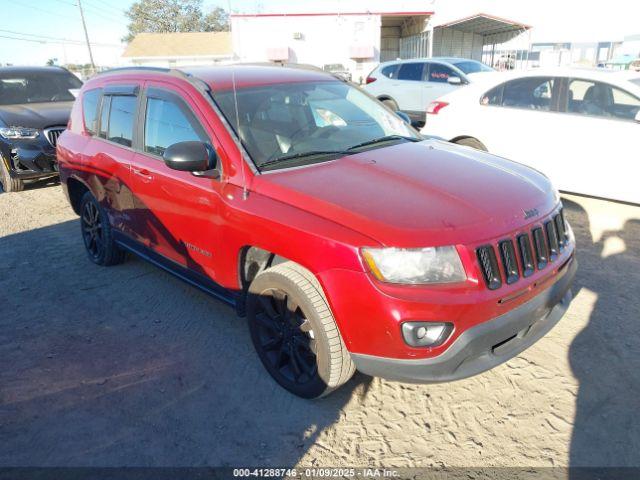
(97,233)
(471,142)
(294,332)
(9,184)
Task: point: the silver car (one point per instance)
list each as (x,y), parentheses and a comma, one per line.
(410,85)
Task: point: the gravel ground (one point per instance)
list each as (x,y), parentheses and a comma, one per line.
(129,366)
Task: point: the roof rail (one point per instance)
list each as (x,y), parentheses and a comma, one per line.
(133,69)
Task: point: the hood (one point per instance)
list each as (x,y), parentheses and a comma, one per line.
(36,115)
(420,194)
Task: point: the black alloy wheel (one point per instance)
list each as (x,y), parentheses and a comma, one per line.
(285,338)
(92,230)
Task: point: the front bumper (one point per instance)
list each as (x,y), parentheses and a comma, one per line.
(28,160)
(484,346)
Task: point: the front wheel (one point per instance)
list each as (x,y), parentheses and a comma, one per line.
(97,233)
(294,332)
(9,184)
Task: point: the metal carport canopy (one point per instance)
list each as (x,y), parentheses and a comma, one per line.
(485,25)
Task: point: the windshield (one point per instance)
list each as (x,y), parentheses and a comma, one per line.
(311,118)
(471,66)
(37,87)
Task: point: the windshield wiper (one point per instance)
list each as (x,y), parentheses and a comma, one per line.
(294,156)
(386,138)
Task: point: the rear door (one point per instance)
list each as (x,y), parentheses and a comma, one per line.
(109,154)
(436,82)
(598,155)
(408,92)
(520,121)
(178,213)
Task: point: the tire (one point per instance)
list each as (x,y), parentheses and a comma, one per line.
(391,104)
(294,332)
(471,142)
(97,233)
(9,184)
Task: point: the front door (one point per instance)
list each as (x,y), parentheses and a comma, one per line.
(177,212)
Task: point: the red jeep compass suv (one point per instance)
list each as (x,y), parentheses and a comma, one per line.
(349,241)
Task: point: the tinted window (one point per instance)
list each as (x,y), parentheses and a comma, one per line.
(599,99)
(390,71)
(471,66)
(410,71)
(121,117)
(531,93)
(493,96)
(168,123)
(104,116)
(36,87)
(90,101)
(440,73)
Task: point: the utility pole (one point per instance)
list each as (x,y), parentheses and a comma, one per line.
(86,35)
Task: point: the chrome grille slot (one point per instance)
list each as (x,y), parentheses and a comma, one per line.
(489,267)
(552,239)
(53,134)
(509,261)
(542,254)
(526,255)
(561,230)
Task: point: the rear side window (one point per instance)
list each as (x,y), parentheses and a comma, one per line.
(529,93)
(390,71)
(411,71)
(167,122)
(587,97)
(90,100)
(104,116)
(121,119)
(440,73)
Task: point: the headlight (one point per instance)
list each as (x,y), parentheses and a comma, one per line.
(18,132)
(415,265)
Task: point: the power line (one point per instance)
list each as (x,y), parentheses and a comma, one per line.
(41,10)
(69,41)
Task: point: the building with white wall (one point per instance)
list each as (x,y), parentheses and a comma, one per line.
(358,40)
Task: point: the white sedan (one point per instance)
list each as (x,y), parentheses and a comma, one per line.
(580,127)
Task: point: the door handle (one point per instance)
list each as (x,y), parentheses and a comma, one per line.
(143,173)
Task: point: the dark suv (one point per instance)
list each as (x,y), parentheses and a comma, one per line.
(35,103)
(349,241)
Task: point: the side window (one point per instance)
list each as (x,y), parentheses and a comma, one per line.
(530,93)
(169,121)
(440,73)
(121,116)
(411,71)
(390,71)
(587,97)
(90,101)
(104,116)
(493,96)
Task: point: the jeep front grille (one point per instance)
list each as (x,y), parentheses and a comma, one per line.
(520,257)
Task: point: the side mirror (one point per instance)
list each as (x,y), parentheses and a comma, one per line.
(195,157)
(638,116)
(404,116)
(454,81)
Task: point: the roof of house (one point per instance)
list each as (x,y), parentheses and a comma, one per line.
(184,44)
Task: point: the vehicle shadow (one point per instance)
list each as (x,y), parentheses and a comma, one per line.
(128,366)
(605,355)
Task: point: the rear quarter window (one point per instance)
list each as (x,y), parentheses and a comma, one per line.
(90,101)
(390,71)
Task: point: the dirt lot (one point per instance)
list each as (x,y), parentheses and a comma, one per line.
(129,366)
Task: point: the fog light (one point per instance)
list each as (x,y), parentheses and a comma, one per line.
(426,334)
